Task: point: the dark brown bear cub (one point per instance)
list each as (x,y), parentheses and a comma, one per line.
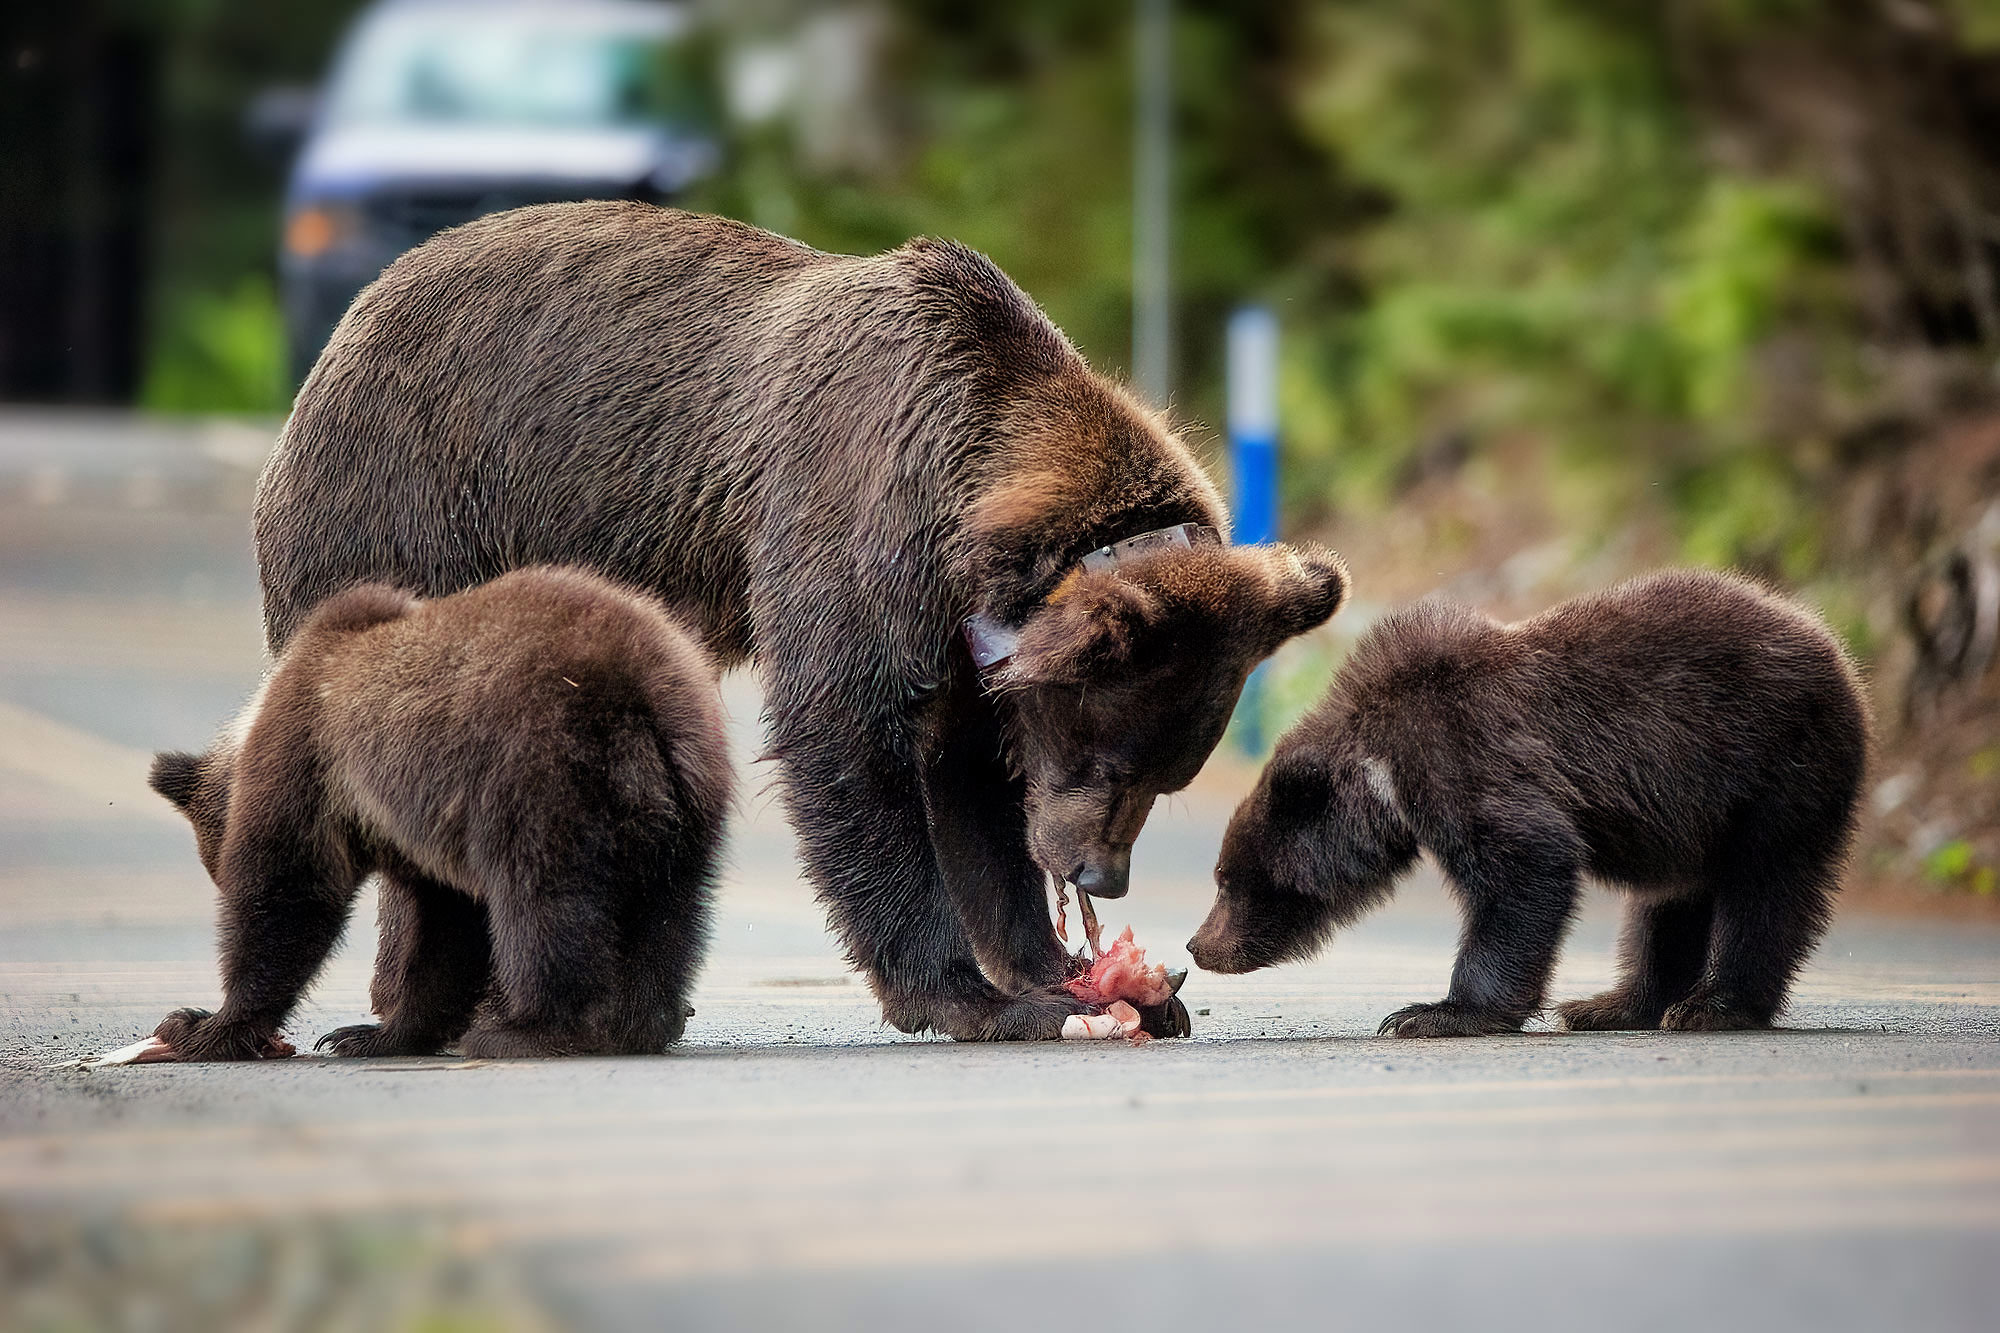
(536,769)
(1687,737)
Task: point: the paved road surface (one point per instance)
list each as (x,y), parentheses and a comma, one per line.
(796,1164)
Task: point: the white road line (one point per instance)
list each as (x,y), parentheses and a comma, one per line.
(102,776)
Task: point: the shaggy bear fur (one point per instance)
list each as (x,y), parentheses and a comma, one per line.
(536,769)
(1687,737)
(827,464)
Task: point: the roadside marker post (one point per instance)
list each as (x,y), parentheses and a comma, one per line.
(1253,467)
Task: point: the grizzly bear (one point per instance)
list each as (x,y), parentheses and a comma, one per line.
(1687,737)
(987,592)
(536,770)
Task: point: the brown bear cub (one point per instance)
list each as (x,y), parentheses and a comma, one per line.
(1687,737)
(536,770)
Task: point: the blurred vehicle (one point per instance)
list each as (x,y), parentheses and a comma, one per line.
(441,111)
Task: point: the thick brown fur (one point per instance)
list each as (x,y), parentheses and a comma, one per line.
(826,463)
(1688,737)
(536,770)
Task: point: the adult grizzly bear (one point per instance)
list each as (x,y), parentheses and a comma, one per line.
(1687,736)
(858,471)
(536,768)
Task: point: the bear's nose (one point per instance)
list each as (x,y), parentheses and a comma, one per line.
(1202,948)
(1106,875)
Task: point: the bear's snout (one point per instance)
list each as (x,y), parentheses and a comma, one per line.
(1212,948)
(1104,873)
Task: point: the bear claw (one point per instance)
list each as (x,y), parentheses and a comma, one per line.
(1166,1020)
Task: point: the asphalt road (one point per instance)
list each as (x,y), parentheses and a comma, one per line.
(796,1164)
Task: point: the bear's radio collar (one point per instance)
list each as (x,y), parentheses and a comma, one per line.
(992,643)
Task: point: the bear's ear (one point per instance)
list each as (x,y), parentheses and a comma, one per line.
(1296,791)
(1091,626)
(1307,585)
(176,775)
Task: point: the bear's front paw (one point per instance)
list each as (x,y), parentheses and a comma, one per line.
(369,1040)
(197,1036)
(1035,1015)
(1447,1019)
(180,1029)
(1613,1011)
(1707,1012)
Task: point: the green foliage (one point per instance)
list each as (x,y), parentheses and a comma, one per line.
(1560,259)
(1956,865)
(1950,861)
(1746,508)
(1978,22)
(461,1321)
(219,352)
(1523,148)
(1751,253)
(215,200)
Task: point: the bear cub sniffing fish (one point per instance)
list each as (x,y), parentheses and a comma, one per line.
(535,767)
(1687,737)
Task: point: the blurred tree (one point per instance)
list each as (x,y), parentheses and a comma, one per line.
(215,336)
(1016,139)
(1710,243)
(1561,255)
(139,223)
(75,98)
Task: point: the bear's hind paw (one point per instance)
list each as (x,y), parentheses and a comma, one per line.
(373,1040)
(1446,1019)
(1710,1013)
(502,1042)
(1613,1011)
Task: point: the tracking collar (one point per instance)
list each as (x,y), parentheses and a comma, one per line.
(992,643)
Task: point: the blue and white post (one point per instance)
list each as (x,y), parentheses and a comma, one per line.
(1253,468)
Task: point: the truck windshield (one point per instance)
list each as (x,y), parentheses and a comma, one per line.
(526,67)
